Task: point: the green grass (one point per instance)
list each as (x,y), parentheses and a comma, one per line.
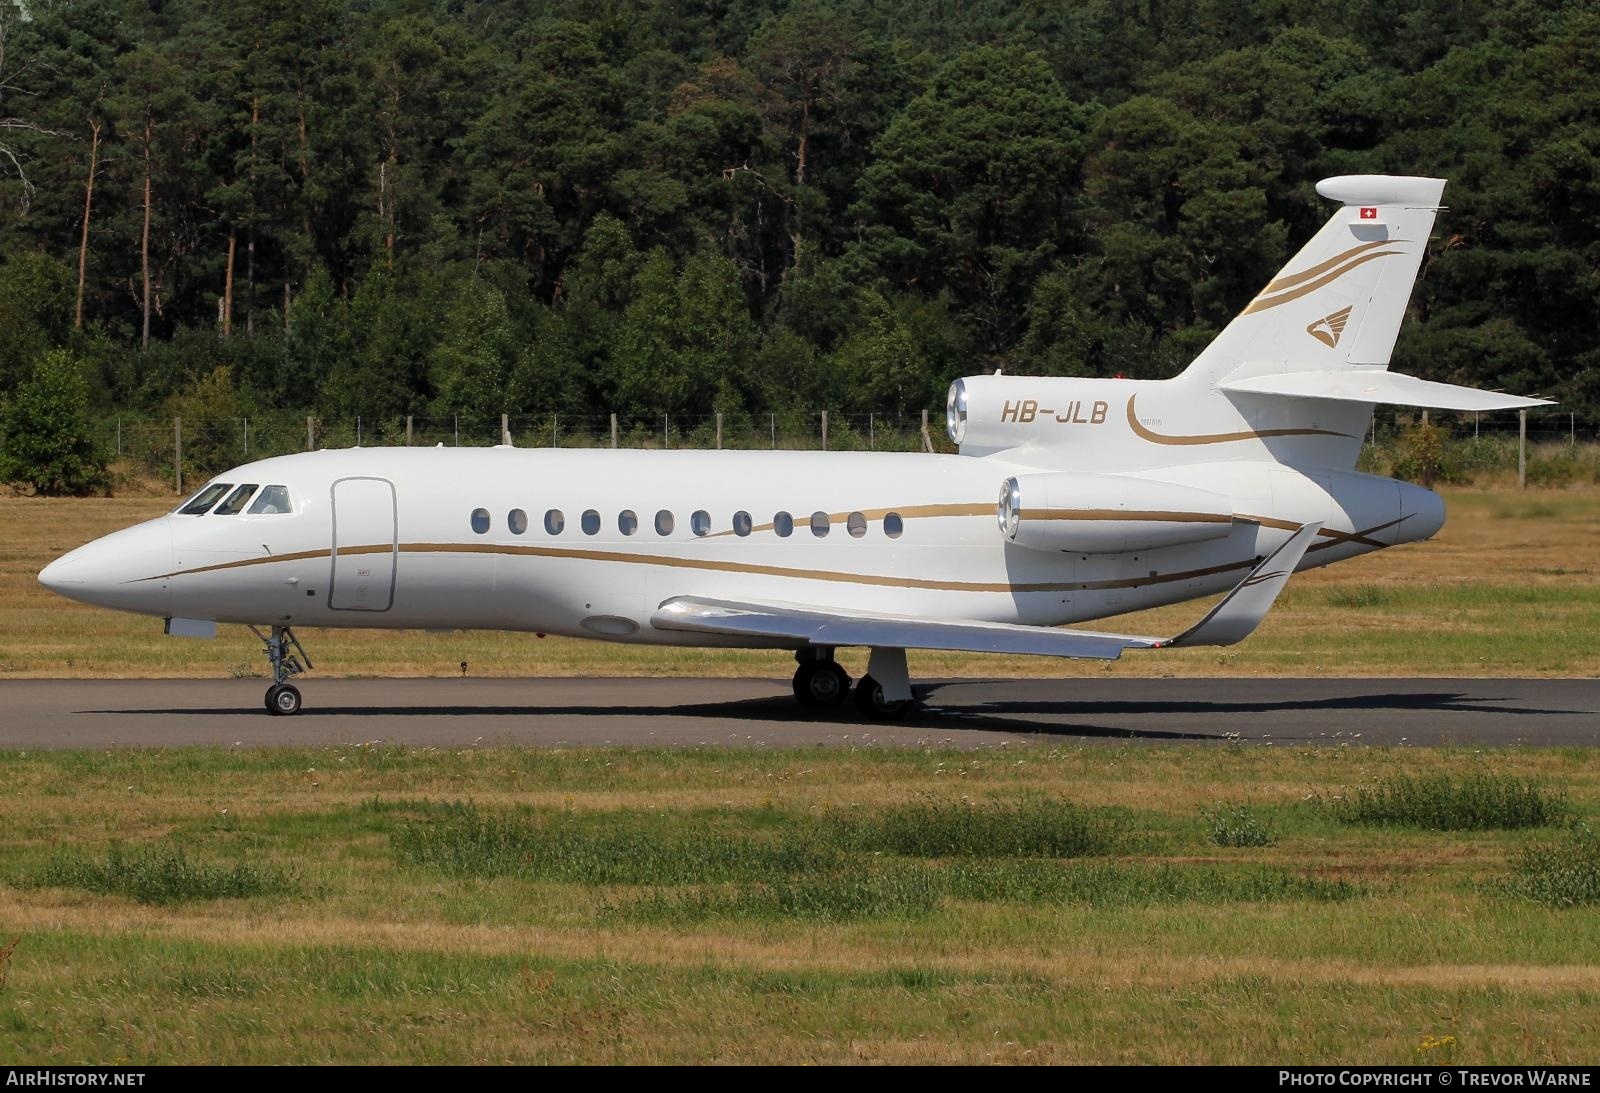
(1235,823)
(162,875)
(1480,801)
(1031,903)
(1560,874)
(936,829)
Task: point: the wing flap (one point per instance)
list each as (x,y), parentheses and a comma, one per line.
(1230,621)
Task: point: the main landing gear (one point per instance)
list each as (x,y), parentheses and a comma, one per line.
(283,698)
(820,684)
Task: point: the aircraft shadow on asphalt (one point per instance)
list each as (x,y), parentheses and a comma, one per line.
(1068,717)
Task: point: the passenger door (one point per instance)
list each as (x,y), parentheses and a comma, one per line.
(366,545)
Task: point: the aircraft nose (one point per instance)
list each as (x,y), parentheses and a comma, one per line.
(62,572)
(126,570)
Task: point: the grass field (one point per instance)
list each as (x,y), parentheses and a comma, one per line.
(1235,904)
(1510,587)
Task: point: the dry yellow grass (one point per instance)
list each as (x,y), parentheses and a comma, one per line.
(1510,587)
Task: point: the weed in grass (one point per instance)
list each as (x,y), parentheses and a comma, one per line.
(885,891)
(937,829)
(619,848)
(1478,802)
(5,959)
(907,889)
(1360,596)
(1562,874)
(1235,823)
(161,875)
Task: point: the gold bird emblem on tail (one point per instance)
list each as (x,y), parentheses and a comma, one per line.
(1328,328)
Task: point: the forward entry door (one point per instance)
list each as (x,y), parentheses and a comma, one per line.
(366,544)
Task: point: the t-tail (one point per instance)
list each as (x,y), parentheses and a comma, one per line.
(1291,380)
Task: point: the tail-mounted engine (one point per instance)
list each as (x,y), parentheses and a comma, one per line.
(1084,513)
(985,414)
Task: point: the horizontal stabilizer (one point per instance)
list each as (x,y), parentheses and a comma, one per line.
(1376,385)
(1229,621)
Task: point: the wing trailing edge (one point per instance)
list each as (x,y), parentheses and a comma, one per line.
(1230,621)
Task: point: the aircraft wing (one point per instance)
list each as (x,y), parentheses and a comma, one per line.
(1228,622)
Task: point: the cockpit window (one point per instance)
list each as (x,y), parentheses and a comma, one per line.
(273,499)
(205,499)
(236,501)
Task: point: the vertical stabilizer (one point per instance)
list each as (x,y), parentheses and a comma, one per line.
(1339,302)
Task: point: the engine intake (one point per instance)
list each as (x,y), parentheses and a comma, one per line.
(1082,513)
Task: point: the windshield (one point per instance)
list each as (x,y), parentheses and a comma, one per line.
(236,501)
(203,500)
(273,499)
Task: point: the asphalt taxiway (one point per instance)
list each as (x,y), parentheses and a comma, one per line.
(762,713)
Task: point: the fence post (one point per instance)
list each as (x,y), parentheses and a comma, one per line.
(872,432)
(553,431)
(1522,449)
(408,430)
(311,433)
(719,432)
(246,435)
(455,430)
(613,430)
(927,440)
(505,429)
(177,452)
(119,438)
(824,430)
(772,420)
(666,430)
(358,430)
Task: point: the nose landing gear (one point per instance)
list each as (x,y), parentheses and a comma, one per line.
(283,698)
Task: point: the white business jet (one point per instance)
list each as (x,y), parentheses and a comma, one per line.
(1114,495)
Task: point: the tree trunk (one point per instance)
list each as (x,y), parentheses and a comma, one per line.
(88,207)
(227,284)
(250,237)
(144,236)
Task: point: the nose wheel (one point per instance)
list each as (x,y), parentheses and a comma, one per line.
(286,655)
(283,699)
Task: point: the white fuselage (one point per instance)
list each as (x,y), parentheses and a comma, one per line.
(385,537)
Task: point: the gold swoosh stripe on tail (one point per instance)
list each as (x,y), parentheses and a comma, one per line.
(1145,433)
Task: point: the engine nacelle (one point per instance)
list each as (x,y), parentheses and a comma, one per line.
(985,414)
(1084,513)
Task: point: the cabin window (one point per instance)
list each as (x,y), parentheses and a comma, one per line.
(819,524)
(627,521)
(480,521)
(893,525)
(555,521)
(517,521)
(236,501)
(700,522)
(742,524)
(591,522)
(205,499)
(856,525)
(274,501)
(664,522)
(783,524)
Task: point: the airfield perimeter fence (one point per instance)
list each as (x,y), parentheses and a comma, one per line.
(183,451)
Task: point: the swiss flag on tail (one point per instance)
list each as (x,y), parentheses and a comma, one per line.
(1368,212)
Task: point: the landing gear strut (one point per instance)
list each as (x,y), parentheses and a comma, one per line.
(285,654)
(819,683)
